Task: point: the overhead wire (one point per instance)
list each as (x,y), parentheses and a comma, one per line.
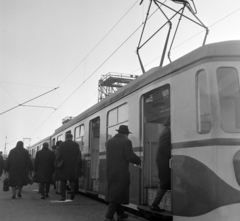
(84,60)
(188,39)
(114,53)
(98,43)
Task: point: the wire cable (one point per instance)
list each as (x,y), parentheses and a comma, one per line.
(98,43)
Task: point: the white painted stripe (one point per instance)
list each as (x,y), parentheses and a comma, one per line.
(225,213)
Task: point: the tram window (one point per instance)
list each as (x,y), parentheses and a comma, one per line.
(116,117)
(79,135)
(53,141)
(112,117)
(229,98)
(59,137)
(122,113)
(203,104)
(157,105)
(77,132)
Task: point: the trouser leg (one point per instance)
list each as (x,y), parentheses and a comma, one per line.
(42,189)
(14,191)
(20,189)
(159,196)
(72,186)
(76,186)
(47,187)
(112,208)
(119,210)
(63,189)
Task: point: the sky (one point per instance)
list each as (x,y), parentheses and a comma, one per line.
(54,52)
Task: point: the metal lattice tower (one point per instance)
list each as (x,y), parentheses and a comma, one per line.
(111,82)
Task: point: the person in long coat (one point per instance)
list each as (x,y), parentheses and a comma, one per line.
(57,171)
(44,168)
(68,153)
(163,156)
(17,168)
(119,154)
(1,164)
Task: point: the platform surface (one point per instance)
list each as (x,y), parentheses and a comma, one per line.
(31,208)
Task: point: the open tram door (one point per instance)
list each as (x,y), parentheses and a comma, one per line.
(155,111)
(93,163)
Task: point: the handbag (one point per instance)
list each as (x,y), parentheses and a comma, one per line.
(6,184)
(59,164)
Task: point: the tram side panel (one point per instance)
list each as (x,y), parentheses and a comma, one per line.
(203,182)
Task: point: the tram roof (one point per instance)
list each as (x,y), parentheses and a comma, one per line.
(41,141)
(220,49)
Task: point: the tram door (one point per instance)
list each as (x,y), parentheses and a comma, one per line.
(93,164)
(156,109)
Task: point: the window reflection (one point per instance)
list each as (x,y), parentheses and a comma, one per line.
(203,103)
(229,98)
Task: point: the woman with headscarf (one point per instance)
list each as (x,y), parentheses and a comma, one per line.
(17,168)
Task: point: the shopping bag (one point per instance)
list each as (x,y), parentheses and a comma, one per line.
(6,184)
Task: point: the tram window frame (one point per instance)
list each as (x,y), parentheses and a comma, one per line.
(59,137)
(53,141)
(229,98)
(113,124)
(204,123)
(164,93)
(81,134)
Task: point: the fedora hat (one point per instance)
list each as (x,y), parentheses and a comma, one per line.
(123,129)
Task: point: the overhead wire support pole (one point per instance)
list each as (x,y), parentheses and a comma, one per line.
(28,101)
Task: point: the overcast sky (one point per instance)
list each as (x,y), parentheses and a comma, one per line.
(70,44)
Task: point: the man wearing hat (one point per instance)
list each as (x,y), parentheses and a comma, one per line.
(68,154)
(119,154)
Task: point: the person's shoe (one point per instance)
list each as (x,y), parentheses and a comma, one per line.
(156,208)
(72,196)
(13,197)
(122,217)
(43,197)
(46,195)
(62,199)
(106,219)
(19,195)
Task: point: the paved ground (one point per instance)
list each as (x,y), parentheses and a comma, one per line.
(31,208)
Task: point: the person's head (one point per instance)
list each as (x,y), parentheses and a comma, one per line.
(0,152)
(45,145)
(58,143)
(123,129)
(69,136)
(19,144)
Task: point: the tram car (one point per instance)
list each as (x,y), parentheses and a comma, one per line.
(200,92)
(38,146)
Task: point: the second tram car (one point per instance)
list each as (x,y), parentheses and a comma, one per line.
(200,92)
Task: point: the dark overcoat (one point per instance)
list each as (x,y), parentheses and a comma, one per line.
(162,159)
(1,165)
(18,165)
(44,165)
(69,152)
(119,154)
